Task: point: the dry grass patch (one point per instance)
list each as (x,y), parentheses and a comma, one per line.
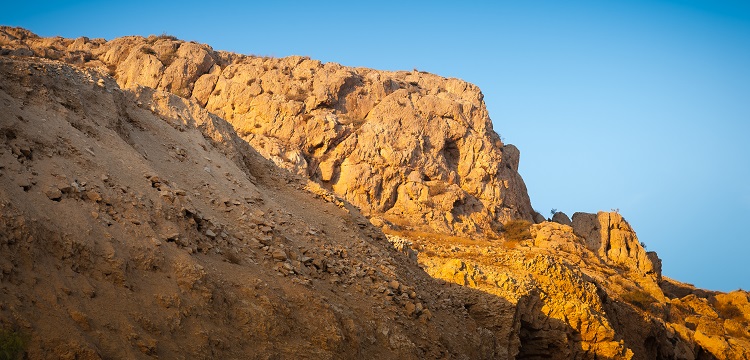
(729,311)
(639,298)
(515,231)
(436,238)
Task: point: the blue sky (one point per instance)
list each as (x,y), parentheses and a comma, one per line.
(643,106)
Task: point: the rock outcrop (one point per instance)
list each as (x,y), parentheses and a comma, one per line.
(611,237)
(575,302)
(561,218)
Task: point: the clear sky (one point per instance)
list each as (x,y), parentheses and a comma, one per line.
(642,106)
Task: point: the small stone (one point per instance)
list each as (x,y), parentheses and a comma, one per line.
(167,195)
(24,183)
(53,193)
(410,308)
(426,316)
(320,264)
(394,284)
(93,196)
(265,240)
(278,255)
(210,233)
(418,308)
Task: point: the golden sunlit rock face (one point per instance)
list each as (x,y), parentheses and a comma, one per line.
(161,199)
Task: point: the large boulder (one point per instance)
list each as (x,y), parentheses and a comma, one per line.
(561,218)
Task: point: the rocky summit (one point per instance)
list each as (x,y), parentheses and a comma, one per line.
(159,199)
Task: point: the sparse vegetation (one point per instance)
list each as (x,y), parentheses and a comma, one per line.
(516,230)
(298,95)
(148,51)
(12,345)
(168,57)
(438,238)
(510,244)
(639,298)
(165,36)
(729,311)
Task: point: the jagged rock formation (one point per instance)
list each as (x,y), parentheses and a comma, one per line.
(410,147)
(612,238)
(574,301)
(140,219)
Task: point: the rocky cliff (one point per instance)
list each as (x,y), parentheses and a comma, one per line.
(164,199)
(410,148)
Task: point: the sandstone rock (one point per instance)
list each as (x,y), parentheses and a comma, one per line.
(394,284)
(53,193)
(279,255)
(93,196)
(410,308)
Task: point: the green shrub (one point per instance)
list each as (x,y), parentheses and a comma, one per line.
(639,298)
(12,345)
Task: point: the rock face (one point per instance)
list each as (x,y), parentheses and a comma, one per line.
(412,148)
(142,218)
(611,237)
(572,303)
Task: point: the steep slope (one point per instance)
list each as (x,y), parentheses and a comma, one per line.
(198,212)
(137,224)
